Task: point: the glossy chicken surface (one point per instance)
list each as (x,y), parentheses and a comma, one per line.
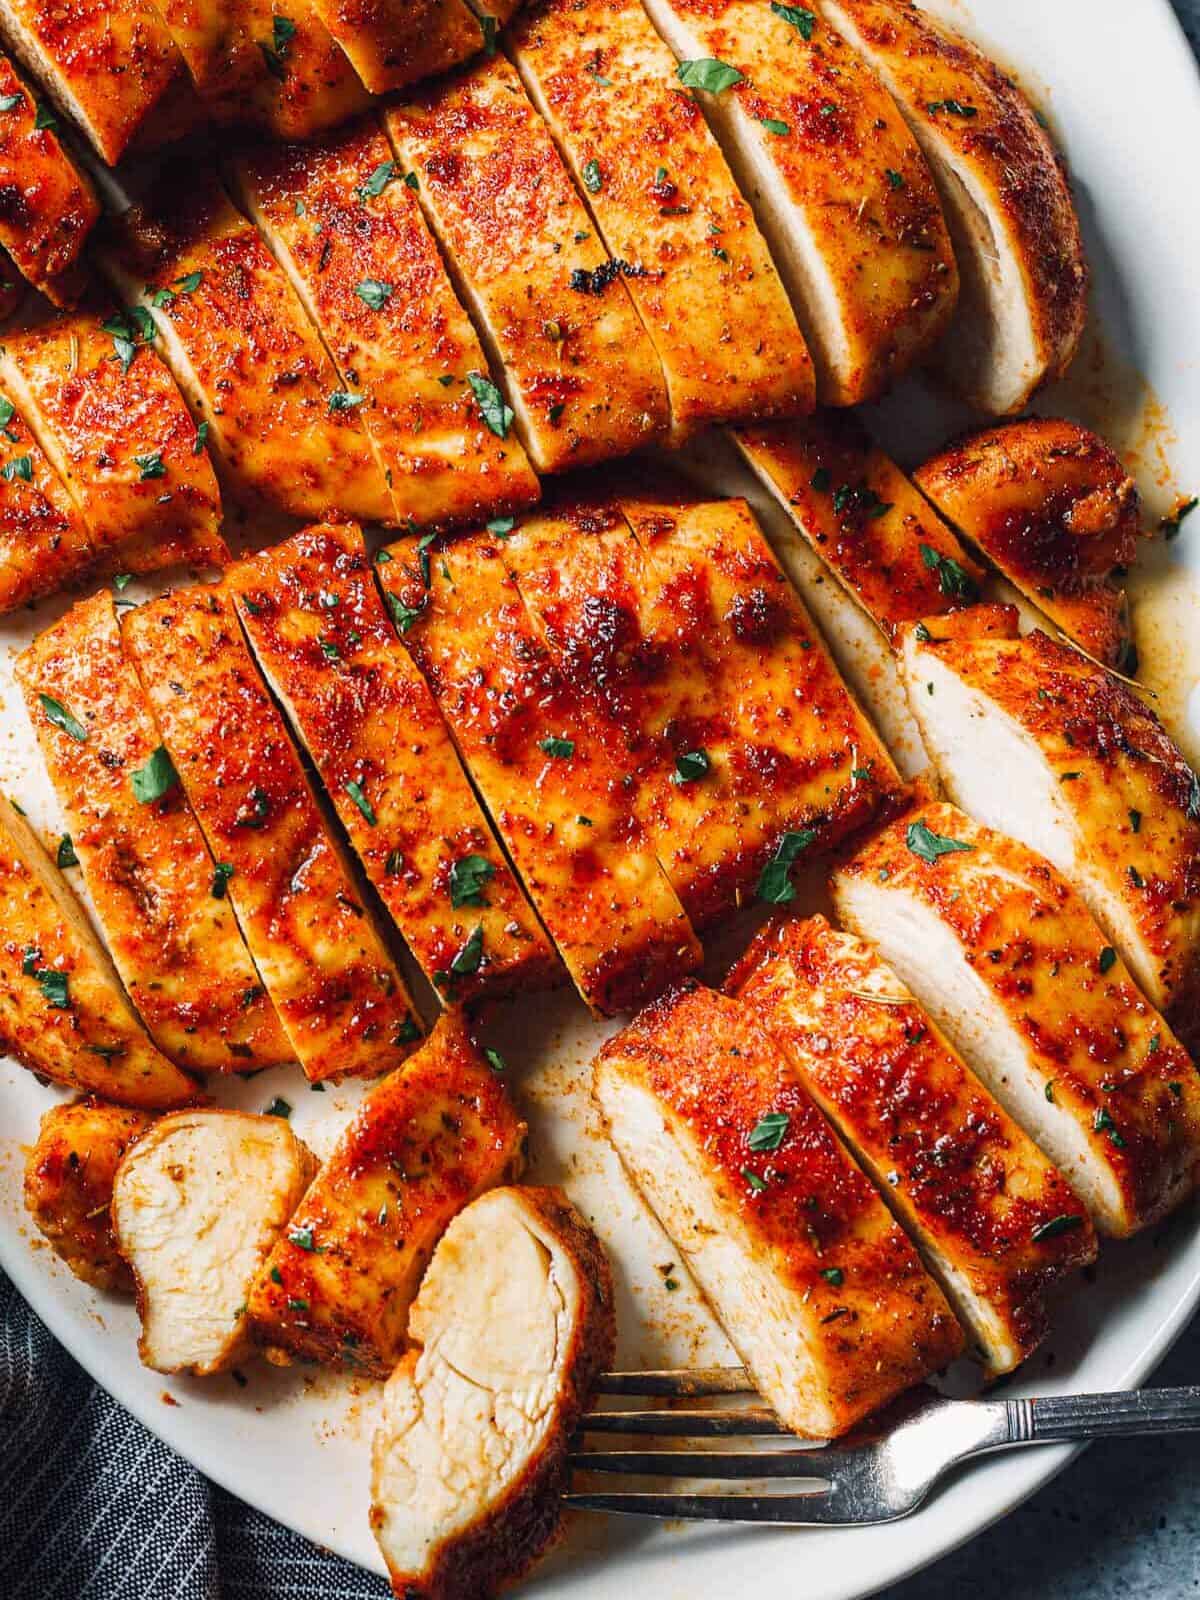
(392,43)
(44,542)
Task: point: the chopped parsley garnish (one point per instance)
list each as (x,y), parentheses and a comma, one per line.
(1108,959)
(19,467)
(1102,1122)
(689,766)
(374,293)
(45,117)
(774,883)
(1049,1090)
(383,174)
(496,414)
(501,526)
(757,1183)
(403,615)
(833,1275)
(803,20)
(345,400)
(923,842)
(768,1132)
(276,51)
(407,1032)
(128,329)
(302,1238)
(1135,821)
(954,580)
(152,466)
(189,283)
(560,749)
(155,779)
(65,855)
(953,108)
(10,102)
(895,179)
(467,960)
(54,987)
(261,801)
(222,872)
(58,714)
(495,1060)
(355,791)
(279,1107)
(593,178)
(774,125)
(490,27)
(1056,1226)
(468,878)
(201,439)
(709,74)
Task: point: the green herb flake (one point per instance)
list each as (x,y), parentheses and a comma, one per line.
(768,1133)
(490,28)
(775,126)
(345,400)
(952,108)
(383,174)
(1135,821)
(1049,1090)
(65,856)
(279,1107)
(201,439)
(155,779)
(10,102)
(374,293)
(559,749)
(468,877)
(152,466)
(895,179)
(757,1183)
(690,766)
(774,883)
(593,178)
(58,714)
(276,50)
(403,615)
(953,579)
(1108,959)
(222,872)
(799,17)
(1057,1226)
(19,467)
(709,74)
(54,986)
(468,959)
(1102,1122)
(44,118)
(833,1275)
(496,414)
(355,791)
(923,842)
(303,1239)
(495,1060)
(407,1032)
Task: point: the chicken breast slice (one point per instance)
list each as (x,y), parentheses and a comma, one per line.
(664,200)
(392,43)
(424,1142)
(158,897)
(562,807)
(512,1327)
(197,1204)
(1006,197)
(580,377)
(1005,957)
(44,542)
(811,1278)
(1054,508)
(994,1221)
(63,1013)
(1092,780)
(351,237)
(372,728)
(69,1176)
(336,988)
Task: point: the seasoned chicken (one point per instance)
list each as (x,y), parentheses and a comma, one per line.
(44,541)
(197,1205)
(337,990)
(63,1013)
(250,364)
(47,206)
(838,185)
(351,236)
(881,540)
(664,200)
(994,1221)
(1091,779)
(423,1143)
(69,1182)
(392,43)
(1006,197)
(512,1327)
(581,379)
(1052,506)
(812,1280)
(158,896)
(561,805)
(317,624)
(1005,957)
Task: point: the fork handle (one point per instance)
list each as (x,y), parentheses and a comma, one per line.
(1094,1416)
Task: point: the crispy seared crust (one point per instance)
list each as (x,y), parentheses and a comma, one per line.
(338,993)
(316,622)
(95,1043)
(338,242)
(868,260)
(68,1185)
(596,882)
(1099,1052)
(664,199)
(424,1142)
(149,873)
(960,1175)
(861,515)
(1052,506)
(579,369)
(44,542)
(243,352)
(392,43)
(869,1318)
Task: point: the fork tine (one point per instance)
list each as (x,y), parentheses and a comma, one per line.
(796,1510)
(706,1463)
(697,1384)
(685,1424)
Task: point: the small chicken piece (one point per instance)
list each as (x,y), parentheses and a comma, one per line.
(317,624)
(880,539)
(1007,202)
(392,43)
(110,418)
(198,1203)
(510,1332)
(811,1278)
(158,896)
(1005,957)
(250,364)
(995,1222)
(563,808)
(424,1142)
(352,239)
(1052,506)
(581,379)
(44,542)
(663,198)
(839,187)
(47,206)
(69,1182)
(63,1013)
(335,987)
(1091,780)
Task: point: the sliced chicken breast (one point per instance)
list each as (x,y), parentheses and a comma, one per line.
(1092,780)
(1052,506)
(994,1221)
(1005,957)
(318,627)
(351,237)
(44,542)
(1006,197)
(392,43)
(159,899)
(335,987)
(664,200)
(69,1176)
(564,810)
(839,187)
(63,1013)
(512,1327)
(424,1142)
(197,1205)
(580,377)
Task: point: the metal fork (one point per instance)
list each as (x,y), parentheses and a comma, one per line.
(872,1477)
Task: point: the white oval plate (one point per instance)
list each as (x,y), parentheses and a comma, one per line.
(1121,92)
